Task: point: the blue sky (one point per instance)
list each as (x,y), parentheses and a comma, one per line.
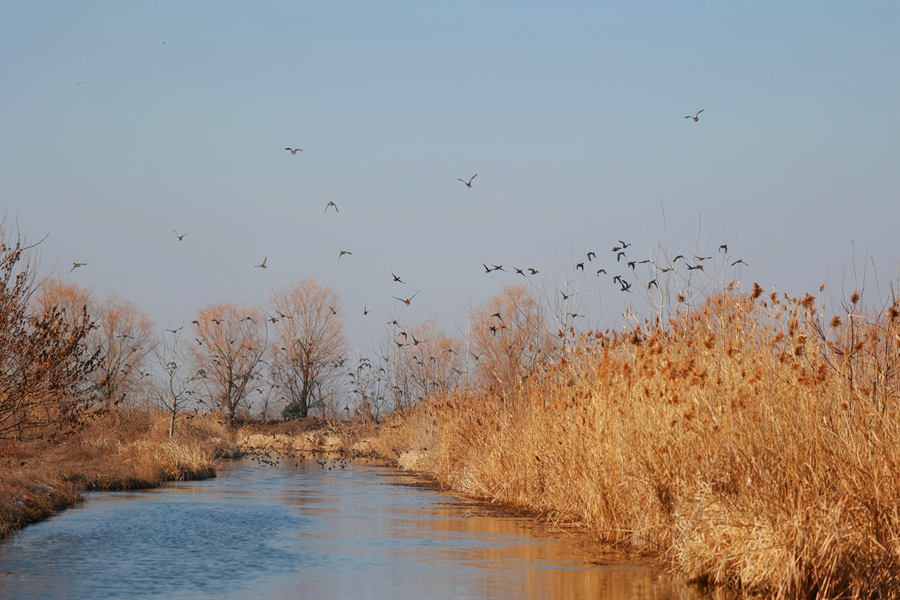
(124,121)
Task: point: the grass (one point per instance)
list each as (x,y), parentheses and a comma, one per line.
(112,453)
(749,442)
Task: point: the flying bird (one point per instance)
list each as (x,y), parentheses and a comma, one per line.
(76,265)
(263,264)
(294,151)
(331,204)
(469,182)
(739,262)
(343,252)
(397,279)
(408,300)
(695,117)
(180,237)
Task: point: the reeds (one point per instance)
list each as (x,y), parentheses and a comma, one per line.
(39,479)
(749,442)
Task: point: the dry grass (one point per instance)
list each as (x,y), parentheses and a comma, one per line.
(750,442)
(120,451)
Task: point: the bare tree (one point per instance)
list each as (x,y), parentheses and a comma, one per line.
(229,354)
(508,336)
(424,360)
(43,359)
(123,335)
(308,355)
(173,390)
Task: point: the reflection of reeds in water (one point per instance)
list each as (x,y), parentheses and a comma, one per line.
(750,442)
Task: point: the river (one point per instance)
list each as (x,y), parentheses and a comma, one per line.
(302,529)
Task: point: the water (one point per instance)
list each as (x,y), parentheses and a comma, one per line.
(298,530)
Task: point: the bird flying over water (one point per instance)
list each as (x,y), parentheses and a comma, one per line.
(469,182)
(695,117)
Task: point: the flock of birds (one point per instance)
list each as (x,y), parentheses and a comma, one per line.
(619,251)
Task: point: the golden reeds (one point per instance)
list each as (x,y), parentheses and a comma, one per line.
(748,442)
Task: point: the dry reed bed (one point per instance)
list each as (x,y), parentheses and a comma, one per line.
(747,442)
(40,479)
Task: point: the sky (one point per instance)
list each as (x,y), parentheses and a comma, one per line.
(124,122)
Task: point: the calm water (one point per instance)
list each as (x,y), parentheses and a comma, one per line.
(297,530)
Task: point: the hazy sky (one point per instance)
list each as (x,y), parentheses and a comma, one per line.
(122,121)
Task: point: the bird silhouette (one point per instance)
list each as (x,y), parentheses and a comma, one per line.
(624,245)
(591,256)
(180,237)
(331,204)
(520,271)
(652,283)
(695,117)
(397,279)
(263,264)
(724,247)
(365,310)
(343,252)
(76,265)
(580,266)
(533,271)
(408,300)
(739,262)
(469,182)
(601,271)
(294,151)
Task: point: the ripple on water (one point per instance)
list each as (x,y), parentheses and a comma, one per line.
(297,530)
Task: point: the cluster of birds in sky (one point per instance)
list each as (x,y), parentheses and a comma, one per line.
(619,250)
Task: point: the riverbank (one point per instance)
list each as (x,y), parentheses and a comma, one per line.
(117,452)
(748,444)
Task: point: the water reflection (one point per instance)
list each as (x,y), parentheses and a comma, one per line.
(300,530)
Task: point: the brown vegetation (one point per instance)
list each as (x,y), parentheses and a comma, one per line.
(39,479)
(751,442)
